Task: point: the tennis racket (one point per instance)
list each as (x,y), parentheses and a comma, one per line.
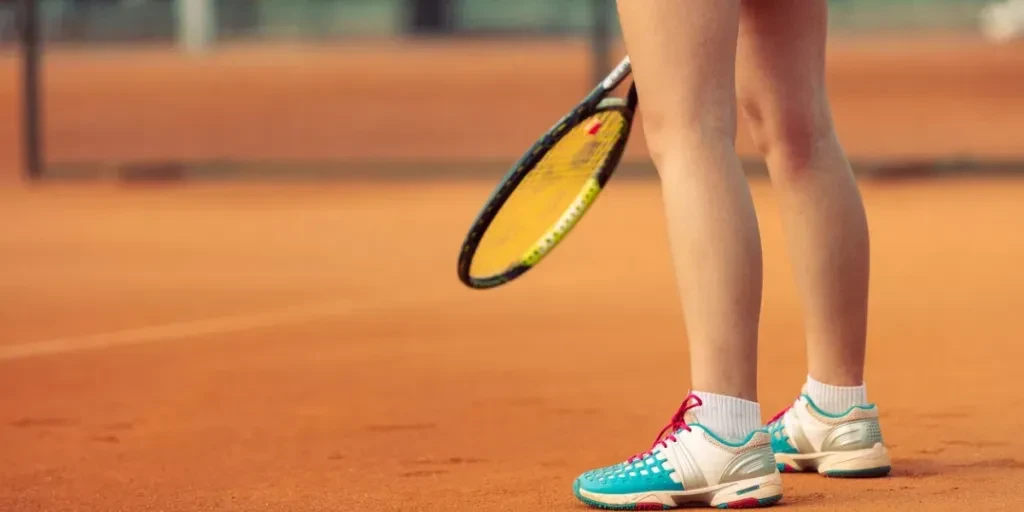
(550,188)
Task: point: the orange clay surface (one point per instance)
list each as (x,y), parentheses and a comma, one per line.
(308,347)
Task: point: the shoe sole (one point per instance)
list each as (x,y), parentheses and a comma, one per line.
(750,493)
(868,463)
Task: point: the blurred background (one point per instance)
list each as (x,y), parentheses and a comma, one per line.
(216,88)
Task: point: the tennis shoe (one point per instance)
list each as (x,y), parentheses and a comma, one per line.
(688,465)
(850,445)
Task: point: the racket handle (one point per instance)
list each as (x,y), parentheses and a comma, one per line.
(618,74)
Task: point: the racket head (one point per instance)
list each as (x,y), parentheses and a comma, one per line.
(545,195)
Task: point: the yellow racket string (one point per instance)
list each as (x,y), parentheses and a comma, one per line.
(561,182)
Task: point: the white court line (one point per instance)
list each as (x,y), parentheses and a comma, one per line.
(182,331)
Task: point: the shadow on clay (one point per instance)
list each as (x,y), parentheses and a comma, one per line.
(42,422)
(924,467)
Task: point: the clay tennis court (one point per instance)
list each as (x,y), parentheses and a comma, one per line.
(307,346)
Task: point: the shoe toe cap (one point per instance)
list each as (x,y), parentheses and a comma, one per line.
(625,479)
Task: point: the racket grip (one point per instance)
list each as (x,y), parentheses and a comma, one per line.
(618,74)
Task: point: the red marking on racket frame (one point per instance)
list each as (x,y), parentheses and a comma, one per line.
(595,126)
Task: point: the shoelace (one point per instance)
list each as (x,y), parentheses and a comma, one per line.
(779,416)
(775,424)
(678,423)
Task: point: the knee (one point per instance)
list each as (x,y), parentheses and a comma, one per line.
(672,137)
(789,136)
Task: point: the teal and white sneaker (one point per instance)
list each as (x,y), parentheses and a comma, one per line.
(690,466)
(806,438)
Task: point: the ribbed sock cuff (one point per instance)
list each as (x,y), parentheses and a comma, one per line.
(730,418)
(835,399)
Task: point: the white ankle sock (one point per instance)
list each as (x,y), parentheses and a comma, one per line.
(835,399)
(730,418)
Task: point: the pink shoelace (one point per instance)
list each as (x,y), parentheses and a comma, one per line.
(678,423)
(779,416)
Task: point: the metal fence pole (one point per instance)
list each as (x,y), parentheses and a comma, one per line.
(197,25)
(31,98)
(601,35)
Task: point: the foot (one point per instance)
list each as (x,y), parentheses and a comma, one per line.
(806,438)
(690,466)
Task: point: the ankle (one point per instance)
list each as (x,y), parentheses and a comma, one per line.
(835,399)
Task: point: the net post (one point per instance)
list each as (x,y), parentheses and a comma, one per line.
(600,36)
(32,151)
(431,17)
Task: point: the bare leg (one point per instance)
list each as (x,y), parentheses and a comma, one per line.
(684,65)
(781,84)
(683,57)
